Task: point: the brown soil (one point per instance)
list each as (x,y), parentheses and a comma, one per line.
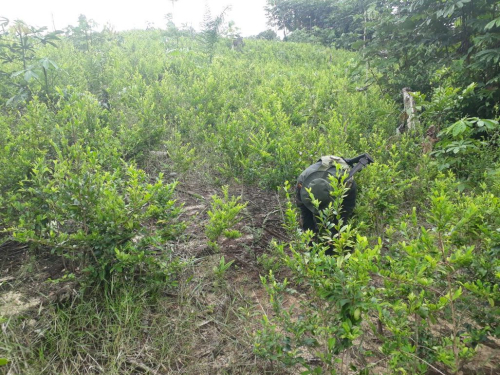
(26,280)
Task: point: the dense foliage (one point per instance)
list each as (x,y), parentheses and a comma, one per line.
(407,42)
(418,267)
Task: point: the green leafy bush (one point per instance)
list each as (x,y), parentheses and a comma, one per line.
(469,147)
(107,222)
(427,274)
(223,216)
(426,292)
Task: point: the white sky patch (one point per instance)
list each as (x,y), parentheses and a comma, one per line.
(248,15)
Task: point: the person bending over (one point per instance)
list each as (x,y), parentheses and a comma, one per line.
(316,178)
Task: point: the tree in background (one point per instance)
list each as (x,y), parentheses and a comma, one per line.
(417,38)
(268,34)
(407,42)
(82,35)
(212,30)
(23,73)
(340,23)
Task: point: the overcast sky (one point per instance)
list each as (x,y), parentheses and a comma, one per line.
(248,15)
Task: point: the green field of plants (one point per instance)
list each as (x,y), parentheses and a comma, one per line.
(148,220)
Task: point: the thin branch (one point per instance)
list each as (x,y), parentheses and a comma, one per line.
(427,363)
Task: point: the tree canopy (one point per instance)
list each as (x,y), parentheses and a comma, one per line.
(406,41)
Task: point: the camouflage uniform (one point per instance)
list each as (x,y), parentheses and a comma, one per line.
(316,177)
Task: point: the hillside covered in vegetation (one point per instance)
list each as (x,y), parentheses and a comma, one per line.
(148,220)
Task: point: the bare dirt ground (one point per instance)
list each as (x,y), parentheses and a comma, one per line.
(220,336)
(25,279)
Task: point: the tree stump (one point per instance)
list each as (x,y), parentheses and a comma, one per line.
(410,118)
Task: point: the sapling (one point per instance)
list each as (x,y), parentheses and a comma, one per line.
(222,267)
(223,216)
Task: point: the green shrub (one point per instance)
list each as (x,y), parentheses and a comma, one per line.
(329,320)
(404,287)
(223,216)
(107,222)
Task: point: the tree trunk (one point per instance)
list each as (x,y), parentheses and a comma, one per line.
(410,117)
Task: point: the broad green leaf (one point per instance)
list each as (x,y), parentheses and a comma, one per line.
(492,24)
(18,73)
(489,124)
(29,75)
(459,127)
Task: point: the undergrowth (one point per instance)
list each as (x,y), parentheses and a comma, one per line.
(413,284)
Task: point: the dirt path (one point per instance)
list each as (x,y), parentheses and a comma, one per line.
(262,222)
